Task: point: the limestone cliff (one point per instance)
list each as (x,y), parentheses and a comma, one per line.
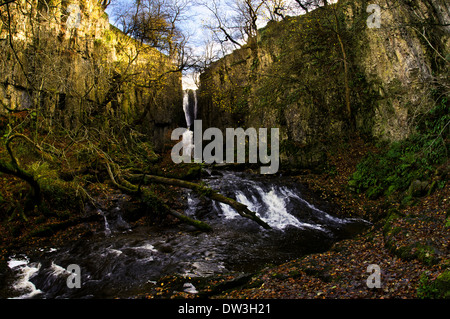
(292,76)
(64,59)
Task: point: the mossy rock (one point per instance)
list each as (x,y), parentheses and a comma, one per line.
(392,216)
(443,284)
(417,188)
(426,254)
(434,289)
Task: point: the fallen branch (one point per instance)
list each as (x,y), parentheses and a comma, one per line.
(201,190)
(196,223)
(129,188)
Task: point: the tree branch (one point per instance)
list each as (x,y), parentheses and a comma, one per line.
(203,190)
(13,168)
(132,189)
(6,2)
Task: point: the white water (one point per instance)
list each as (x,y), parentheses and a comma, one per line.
(186,108)
(107,228)
(288,193)
(188,143)
(26,271)
(195,105)
(190,111)
(58,270)
(112,264)
(275,204)
(273,210)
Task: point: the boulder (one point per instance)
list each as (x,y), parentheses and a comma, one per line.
(417,188)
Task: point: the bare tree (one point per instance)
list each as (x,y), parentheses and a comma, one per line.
(276,9)
(150,22)
(223,29)
(308,5)
(248,13)
(234,22)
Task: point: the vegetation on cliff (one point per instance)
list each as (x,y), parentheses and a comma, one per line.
(76,95)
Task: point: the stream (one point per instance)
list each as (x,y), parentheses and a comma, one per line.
(124,262)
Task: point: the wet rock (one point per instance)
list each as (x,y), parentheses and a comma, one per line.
(190,288)
(164,248)
(215,172)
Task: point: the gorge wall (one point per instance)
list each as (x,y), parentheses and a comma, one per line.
(65,60)
(292,76)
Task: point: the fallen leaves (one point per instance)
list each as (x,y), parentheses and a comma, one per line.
(341,271)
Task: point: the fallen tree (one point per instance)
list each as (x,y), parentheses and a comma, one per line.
(201,190)
(130,188)
(125,183)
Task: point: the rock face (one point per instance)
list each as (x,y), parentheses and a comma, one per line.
(292,76)
(65,60)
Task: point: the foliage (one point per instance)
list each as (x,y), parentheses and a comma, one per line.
(306,49)
(404,161)
(426,289)
(60,194)
(432,289)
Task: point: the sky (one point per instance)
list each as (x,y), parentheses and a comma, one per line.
(195,17)
(192,24)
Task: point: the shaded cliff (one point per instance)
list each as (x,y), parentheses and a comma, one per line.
(67,62)
(293,76)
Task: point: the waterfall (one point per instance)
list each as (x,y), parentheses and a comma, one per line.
(190,106)
(188,143)
(278,205)
(186,108)
(107,229)
(270,205)
(195,105)
(25,271)
(190,113)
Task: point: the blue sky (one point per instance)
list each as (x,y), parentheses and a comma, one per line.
(193,22)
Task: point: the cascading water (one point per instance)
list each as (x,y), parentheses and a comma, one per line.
(186,108)
(190,112)
(24,270)
(280,205)
(195,105)
(120,261)
(190,106)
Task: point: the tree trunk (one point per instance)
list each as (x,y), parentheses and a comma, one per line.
(201,190)
(14,169)
(133,189)
(27,177)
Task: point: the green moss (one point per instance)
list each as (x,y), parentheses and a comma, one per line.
(437,289)
(426,254)
(393,215)
(405,252)
(401,163)
(426,288)
(447,222)
(443,284)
